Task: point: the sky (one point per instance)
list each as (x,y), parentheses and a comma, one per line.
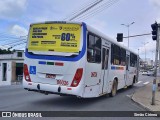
(17,15)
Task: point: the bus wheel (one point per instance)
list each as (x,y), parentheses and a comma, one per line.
(114,88)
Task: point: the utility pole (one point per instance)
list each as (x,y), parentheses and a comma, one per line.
(159,51)
(155,33)
(138,64)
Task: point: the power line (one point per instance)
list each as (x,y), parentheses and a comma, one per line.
(8,39)
(12,35)
(91,9)
(21,46)
(11,40)
(15,42)
(16,45)
(86,9)
(7,36)
(98,9)
(19,43)
(6,33)
(80,9)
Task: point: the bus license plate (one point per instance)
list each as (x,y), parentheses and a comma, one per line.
(50,76)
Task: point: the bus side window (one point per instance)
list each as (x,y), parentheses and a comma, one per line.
(123,57)
(89,55)
(93,49)
(115,54)
(106,58)
(133,60)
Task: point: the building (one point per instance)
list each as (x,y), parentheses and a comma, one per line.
(148,62)
(11,67)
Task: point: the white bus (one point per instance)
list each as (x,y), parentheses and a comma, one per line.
(71,58)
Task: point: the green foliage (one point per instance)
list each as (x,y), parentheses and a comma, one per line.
(5,51)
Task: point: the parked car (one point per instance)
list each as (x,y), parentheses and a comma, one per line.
(149,73)
(144,73)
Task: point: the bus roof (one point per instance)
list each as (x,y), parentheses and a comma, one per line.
(91,29)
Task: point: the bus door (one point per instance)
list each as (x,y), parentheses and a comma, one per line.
(104,72)
(127,78)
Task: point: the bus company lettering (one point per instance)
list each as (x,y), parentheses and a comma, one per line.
(69,28)
(62,82)
(93,74)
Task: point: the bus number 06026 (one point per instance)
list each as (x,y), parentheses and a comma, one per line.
(62,82)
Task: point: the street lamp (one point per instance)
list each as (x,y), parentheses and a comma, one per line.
(128,25)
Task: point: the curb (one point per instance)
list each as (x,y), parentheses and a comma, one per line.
(141,104)
(134,100)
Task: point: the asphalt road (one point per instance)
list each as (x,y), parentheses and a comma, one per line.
(15,98)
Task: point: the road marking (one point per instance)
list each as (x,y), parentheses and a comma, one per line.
(146,83)
(138,82)
(130,96)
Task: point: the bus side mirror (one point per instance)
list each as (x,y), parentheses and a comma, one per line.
(119,37)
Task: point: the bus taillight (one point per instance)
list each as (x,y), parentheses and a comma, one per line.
(26,73)
(77,77)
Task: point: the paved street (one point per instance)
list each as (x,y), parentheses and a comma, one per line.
(15,98)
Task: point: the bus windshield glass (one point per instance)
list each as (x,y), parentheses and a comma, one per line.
(55,38)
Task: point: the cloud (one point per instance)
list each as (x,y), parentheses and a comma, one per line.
(18,30)
(3,47)
(100,25)
(156,3)
(156,9)
(149,47)
(12,8)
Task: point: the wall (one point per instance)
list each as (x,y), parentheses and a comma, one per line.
(8,71)
(11,60)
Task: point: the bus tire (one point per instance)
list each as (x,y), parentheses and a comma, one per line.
(114,88)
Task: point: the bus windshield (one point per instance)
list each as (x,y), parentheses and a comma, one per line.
(55,39)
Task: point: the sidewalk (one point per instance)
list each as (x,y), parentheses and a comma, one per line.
(143,96)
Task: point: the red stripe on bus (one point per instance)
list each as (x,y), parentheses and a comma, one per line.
(59,64)
(69,88)
(121,68)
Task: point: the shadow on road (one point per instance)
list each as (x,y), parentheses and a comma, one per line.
(66,101)
(71,101)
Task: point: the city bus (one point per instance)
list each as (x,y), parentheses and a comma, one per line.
(72,58)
